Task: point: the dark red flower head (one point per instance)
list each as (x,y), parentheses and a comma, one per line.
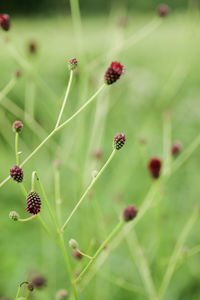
(33,203)
(176,148)
(163,10)
(114,72)
(38,280)
(5,21)
(129,213)
(17,173)
(77,254)
(154,166)
(17,126)
(72,63)
(32,47)
(119,141)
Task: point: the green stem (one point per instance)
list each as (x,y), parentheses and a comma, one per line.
(76,19)
(27,219)
(18,292)
(58,200)
(23,189)
(65,99)
(34,176)
(7,88)
(84,254)
(98,252)
(176,253)
(87,190)
(56,130)
(16,148)
(166,144)
(61,242)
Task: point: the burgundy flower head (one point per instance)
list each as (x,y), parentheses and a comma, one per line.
(17,126)
(38,280)
(176,148)
(114,72)
(77,254)
(17,173)
(119,141)
(129,213)
(5,21)
(72,63)
(33,203)
(154,166)
(163,10)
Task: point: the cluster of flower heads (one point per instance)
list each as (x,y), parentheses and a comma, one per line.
(5,22)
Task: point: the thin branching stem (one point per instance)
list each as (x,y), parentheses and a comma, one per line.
(16,148)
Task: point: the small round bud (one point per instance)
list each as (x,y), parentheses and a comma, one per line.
(77,254)
(38,281)
(97,154)
(73,244)
(72,64)
(17,73)
(33,203)
(32,47)
(30,286)
(154,167)
(17,126)
(113,73)
(5,21)
(62,295)
(163,10)
(129,213)
(119,141)
(17,173)
(176,148)
(13,215)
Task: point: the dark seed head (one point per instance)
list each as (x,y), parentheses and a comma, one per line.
(17,126)
(33,203)
(32,47)
(154,166)
(119,141)
(5,21)
(17,73)
(30,286)
(17,173)
(163,10)
(62,295)
(176,148)
(77,254)
(72,64)
(129,213)
(113,73)
(38,281)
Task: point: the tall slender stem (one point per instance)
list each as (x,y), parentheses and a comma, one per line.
(56,130)
(27,219)
(65,99)
(16,148)
(98,252)
(7,88)
(18,292)
(58,200)
(88,189)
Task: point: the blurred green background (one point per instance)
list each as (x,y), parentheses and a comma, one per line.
(162,71)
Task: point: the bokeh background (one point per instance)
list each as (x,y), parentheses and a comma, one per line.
(160,86)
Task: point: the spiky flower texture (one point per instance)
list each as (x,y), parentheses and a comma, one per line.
(119,141)
(113,73)
(33,203)
(17,173)
(5,21)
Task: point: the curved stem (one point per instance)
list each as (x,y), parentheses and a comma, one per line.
(84,254)
(16,148)
(23,190)
(98,252)
(65,99)
(87,190)
(27,219)
(18,292)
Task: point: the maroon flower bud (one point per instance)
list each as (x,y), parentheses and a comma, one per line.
(38,281)
(33,203)
(129,213)
(18,73)
(17,173)
(119,141)
(77,254)
(30,286)
(176,147)
(17,126)
(32,47)
(154,166)
(163,10)
(114,72)
(72,64)
(5,21)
